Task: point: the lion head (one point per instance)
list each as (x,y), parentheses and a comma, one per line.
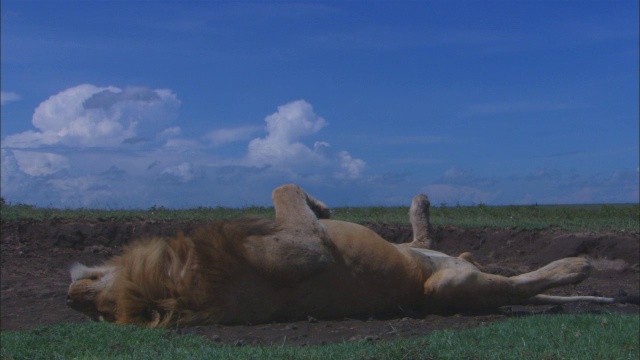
(89,292)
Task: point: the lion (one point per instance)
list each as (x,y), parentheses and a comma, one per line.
(301,264)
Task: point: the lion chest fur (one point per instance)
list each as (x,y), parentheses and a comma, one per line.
(244,272)
(356,273)
(282,277)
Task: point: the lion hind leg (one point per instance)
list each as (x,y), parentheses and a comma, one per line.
(296,209)
(561,272)
(320,209)
(420,222)
(468,257)
(301,247)
(455,289)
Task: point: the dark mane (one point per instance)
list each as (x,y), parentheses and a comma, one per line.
(180,279)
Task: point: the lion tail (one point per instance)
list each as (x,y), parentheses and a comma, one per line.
(622,298)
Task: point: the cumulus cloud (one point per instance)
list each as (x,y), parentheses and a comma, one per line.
(221,137)
(182,173)
(350,168)
(181,145)
(170,132)
(88,116)
(97,146)
(7,97)
(39,164)
(15,182)
(284,130)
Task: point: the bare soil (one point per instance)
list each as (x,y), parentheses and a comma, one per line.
(36,256)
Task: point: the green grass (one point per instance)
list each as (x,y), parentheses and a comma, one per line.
(544,337)
(606,336)
(593,218)
(586,217)
(19,212)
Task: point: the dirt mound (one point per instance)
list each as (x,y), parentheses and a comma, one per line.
(36,256)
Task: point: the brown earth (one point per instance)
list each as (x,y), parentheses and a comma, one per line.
(36,256)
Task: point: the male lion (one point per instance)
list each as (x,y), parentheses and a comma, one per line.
(302,264)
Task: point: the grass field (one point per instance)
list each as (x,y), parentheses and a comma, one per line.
(611,336)
(604,336)
(569,217)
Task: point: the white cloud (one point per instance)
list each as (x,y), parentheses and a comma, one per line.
(40,164)
(87,115)
(69,185)
(221,137)
(110,147)
(184,172)
(179,144)
(14,181)
(170,132)
(294,120)
(7,97)
(284,128)
(350,168)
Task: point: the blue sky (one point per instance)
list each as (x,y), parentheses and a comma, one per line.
(180,104)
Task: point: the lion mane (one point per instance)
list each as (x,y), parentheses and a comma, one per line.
(177,281)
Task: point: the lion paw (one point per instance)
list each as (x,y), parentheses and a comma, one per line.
(569,270)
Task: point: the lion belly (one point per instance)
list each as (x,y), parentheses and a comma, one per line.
(367,275)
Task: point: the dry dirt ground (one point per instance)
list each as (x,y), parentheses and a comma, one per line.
(35,258)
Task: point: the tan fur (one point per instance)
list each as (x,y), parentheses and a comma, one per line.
(300,264)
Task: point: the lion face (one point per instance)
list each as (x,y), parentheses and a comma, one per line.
(88,292)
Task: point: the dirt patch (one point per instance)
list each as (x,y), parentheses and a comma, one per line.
(36,256)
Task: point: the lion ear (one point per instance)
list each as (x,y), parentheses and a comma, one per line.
(79,271)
